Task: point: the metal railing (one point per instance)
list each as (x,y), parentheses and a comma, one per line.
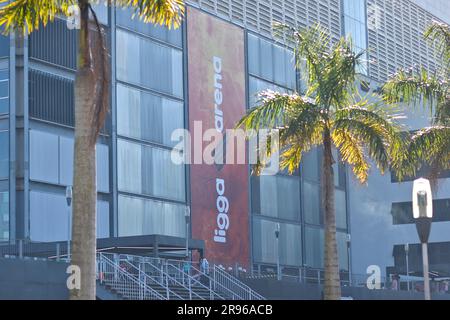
(223,287)
(223,279)
(172,272)
(113,275)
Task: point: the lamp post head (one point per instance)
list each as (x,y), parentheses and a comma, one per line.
(69,195)
(422,199)
(277,230)
(422,202)
(187,214)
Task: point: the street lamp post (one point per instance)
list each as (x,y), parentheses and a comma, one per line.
(407,265)
(187,216)
(277,235)
(423,214)
(69,219)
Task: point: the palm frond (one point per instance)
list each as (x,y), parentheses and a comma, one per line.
(352,152)
(376,138)
(163,12)
(440,34)
(416,86)
(28,15)
(272,112)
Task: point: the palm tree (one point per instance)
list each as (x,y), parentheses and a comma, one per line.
(430,145)
(329,115)
(91,103)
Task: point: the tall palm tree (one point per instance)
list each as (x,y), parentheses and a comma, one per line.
(416,86)
(331,115)
(91,103)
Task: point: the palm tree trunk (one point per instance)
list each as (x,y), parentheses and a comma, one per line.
(85,189)
(332,288)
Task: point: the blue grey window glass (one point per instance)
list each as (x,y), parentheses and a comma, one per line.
(4,45)
(4,154)
(124,18)
(355,26)
(265,245)
(4,216)
(311,203)
(256,86)
(149,171)
(311,165)
(314,247)
(138,216)
(341,209)
(279,196)
(49,217)
(341,239)
(4,91)
(271,62)
(146,116)
(147,63)
(51,160)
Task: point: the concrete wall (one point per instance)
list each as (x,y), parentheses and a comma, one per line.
(22,279)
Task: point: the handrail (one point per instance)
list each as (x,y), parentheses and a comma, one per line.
(195,281)
(216,284)
(146,260)
(146,276)
(131,284)
(233,284)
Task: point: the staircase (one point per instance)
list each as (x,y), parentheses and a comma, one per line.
(131,277)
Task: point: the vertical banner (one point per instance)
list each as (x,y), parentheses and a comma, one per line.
(219,192)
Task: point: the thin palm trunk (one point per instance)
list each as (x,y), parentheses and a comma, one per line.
(85,189)
(332,288)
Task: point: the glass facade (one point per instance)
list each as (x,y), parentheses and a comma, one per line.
(283,198)
(355,26)
(4,91)
(4,142)
(149,106)
(274,199)
(163,70)
(4,216)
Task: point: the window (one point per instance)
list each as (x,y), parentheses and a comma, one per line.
(149,171)
(277,196)
(49,217)
(4,45)
(124,18)
(4,91)
(314,247)
(311,165)
(355,27)
(265,244)
(51,160)
(4,154)
(271,62)
(402,211)
(256,86)
(51,98)
(146,116)
(138,216)
(341,239)
(311,202)
(340,209)
(56,44)
(4,216)
(163,69)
